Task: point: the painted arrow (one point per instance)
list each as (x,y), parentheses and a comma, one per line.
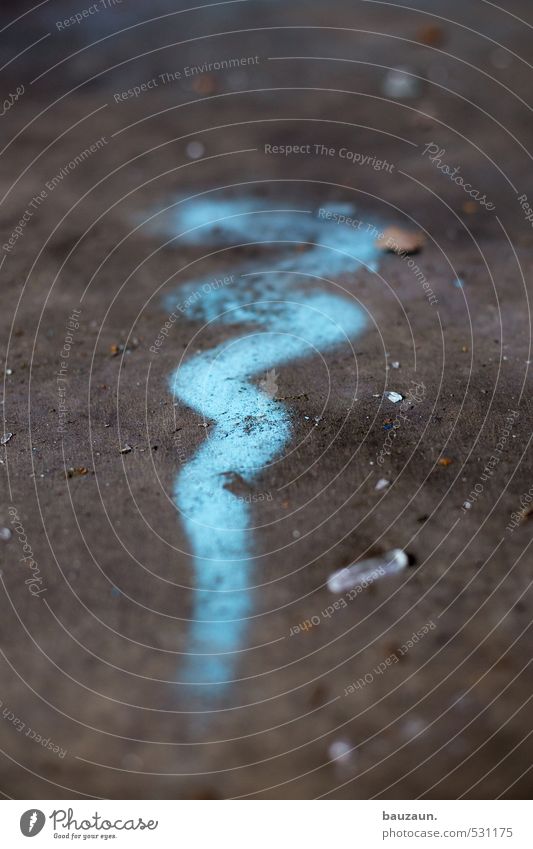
(283,313)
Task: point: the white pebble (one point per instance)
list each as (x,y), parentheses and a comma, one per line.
(340,751)
(400,84)
(413,726)
(195,150)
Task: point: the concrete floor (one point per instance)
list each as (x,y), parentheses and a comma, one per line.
(91,654)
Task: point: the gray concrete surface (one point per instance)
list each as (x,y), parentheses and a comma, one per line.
(91,665)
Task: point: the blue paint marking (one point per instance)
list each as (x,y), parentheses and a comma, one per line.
(283,314)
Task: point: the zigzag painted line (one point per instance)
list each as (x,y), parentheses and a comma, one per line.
(283,314)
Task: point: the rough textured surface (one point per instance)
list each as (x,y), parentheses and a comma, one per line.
(91,664)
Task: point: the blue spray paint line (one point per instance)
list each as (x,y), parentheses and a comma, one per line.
(281,318)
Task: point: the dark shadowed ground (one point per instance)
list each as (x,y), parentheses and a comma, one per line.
(92,647)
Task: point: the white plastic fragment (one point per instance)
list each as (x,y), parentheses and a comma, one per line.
(395,397)
(382,484)
(5,439)
(5,534)
(367,571)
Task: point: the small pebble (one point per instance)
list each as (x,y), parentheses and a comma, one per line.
(195,150)
(5,439)
(467,505)
(368,570)
(399,241)
(382,483)
(5,534)
(400,84)
(395,364)
(413,726)
(444,461)
(431,34)
(77,472)
(341,751)
(204,84)
(126,450)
